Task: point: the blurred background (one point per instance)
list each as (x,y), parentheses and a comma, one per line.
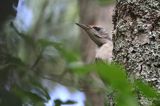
(43,45)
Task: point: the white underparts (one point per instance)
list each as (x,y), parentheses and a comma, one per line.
(105,52)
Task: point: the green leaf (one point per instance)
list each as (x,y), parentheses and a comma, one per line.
(115,75)
(27,94)
(66,53)
(156,102)
(40,89)
(15,60)
(146,90)
(126,100)
(81,69)
(34,86)
(45,43)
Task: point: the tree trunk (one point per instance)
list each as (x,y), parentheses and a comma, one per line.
(137,38)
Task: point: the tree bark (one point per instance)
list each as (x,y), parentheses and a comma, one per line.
(137,38)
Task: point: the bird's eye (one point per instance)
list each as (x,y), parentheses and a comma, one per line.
(97,28)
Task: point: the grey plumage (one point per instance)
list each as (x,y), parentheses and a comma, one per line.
(101,38)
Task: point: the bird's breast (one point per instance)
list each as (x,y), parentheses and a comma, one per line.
(105,52)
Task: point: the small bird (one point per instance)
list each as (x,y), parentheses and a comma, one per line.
(102,39)
(103,53)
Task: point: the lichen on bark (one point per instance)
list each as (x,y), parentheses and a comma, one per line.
(137,38)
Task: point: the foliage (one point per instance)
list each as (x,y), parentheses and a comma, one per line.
(126,92)
(29,90)
(113,75)
(20,84)
(22,75)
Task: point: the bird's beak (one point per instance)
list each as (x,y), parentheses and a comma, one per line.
(85,27)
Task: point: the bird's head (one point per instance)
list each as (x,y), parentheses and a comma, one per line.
(98,34)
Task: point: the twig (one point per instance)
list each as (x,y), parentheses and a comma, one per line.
(37,59)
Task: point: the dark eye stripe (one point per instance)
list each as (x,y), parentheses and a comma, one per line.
(97,28)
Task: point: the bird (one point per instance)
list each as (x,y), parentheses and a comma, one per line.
(102,39)
(103,54)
